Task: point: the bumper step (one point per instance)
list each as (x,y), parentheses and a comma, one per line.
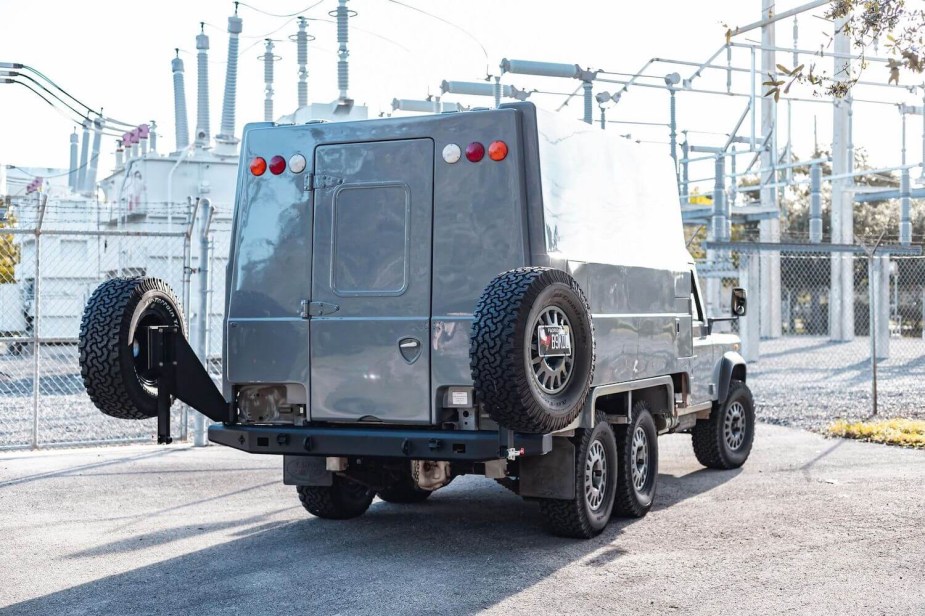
(378,442)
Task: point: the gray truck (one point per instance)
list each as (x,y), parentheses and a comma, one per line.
(495,292)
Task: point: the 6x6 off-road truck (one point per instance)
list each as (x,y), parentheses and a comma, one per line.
(499,292)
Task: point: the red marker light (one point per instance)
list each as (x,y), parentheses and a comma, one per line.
(475,152)
(277,165)
(497,150)
(258,166)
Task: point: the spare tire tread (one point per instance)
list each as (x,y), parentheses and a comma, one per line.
(103,333)
(493,351)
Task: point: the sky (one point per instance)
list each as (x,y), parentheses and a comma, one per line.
(116,55)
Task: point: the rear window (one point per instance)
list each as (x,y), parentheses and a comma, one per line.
(370,251)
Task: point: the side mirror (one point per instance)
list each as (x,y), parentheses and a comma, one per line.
(739,302)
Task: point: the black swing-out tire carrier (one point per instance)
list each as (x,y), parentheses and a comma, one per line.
(379,442)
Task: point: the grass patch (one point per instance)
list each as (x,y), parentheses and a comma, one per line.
(902,432)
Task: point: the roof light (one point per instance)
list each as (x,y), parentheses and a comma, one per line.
(497,150)
(277,165)
(475,152)
(451,153)
(258,166)
(297,163)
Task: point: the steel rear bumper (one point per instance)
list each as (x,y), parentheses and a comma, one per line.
(380,442)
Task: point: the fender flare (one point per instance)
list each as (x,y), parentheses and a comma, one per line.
(732,364)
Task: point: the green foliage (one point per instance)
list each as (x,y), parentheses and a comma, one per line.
(9,250)
(866,22)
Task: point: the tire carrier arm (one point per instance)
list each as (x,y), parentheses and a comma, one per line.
(169,356)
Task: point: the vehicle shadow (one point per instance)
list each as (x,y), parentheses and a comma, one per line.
(469,547)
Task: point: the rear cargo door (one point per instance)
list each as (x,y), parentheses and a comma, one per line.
(371,282)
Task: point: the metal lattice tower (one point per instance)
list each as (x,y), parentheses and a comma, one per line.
(179,102)
(231,80)
(202,81)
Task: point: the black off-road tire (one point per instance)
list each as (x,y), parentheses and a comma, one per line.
(503,331)
(713,446)
(404,490)
(634,501)
(117,310)
(575,517)
(342,500)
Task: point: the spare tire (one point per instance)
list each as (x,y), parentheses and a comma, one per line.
(531,349)
(113,344)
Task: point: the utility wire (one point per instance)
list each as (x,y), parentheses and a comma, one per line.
(296,14)
(449,23)
(56,175)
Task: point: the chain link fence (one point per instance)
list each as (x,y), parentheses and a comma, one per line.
(817,366)
(52,257)
(811,368)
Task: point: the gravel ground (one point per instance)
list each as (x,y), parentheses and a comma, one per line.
(810,381)
(799,381)
(808,526)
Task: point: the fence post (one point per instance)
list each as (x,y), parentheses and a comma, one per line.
(199,420)
(36,320)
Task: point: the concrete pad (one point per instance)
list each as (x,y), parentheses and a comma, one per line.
(809,525)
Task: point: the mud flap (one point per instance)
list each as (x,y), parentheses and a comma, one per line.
(552,475)
(306,471)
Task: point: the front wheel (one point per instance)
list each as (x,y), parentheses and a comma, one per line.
(724,440)
(586,515)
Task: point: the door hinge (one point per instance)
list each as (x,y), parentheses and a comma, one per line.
(317,309)
(313,181)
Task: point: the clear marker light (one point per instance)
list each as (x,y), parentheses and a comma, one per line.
(451,153)
(297,163)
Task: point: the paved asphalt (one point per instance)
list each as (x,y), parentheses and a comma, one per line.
(808,526)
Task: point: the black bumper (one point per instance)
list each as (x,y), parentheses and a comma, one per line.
(379,442)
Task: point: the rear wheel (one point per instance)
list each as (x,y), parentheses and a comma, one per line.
(724,440)
(532,349)
(637,447)
(113,344)
(342,500)
(586,514)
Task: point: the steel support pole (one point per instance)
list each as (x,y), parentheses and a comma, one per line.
(685,172)
(206,210)
(719,231)
(36,321)
(769,230)
(841,302)
(673,127)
